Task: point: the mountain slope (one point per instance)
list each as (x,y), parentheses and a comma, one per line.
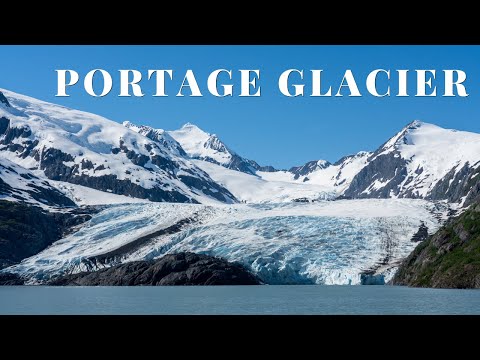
(331,178)
(20,185)
(255,189)
(338,176)
(448,259)
(421,161)
(201,145)
(85,149)
(159,136)
(25,230)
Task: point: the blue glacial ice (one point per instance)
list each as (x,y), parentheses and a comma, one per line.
(328,242)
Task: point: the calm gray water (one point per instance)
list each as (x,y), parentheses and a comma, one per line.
(237,300)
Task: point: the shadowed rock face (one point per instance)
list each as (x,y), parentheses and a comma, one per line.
(9,279)
(27,230)
(454,187)
(3,100)
(392,170)
(25,186)
(172,269)
(421,234)
(448,259)
(381,168)
(308,168)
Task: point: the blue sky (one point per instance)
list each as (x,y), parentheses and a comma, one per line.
(272,129)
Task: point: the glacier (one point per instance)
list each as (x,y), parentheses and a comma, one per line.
(325,242)
(317,223)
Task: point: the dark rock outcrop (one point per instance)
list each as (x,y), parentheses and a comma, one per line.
(27,230)
(35,188)
(421,234)
(448,259)
(453,187)
(4,124)
(215,190)
(4,100)
(7,279)
(308,168)
(172,269)
(53,164)
(389,168)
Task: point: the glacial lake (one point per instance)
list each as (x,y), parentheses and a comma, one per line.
(226,300)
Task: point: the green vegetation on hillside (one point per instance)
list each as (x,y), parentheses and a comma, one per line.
(448,259)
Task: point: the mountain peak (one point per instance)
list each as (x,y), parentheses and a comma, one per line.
(199,144)
(131,126)
(323,163)
(158,135)
(4,100)
(194,130)
(190,125)
(415,124)
(401,136)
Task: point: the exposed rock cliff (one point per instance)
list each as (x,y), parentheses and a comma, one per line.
(27,230)
(172,269)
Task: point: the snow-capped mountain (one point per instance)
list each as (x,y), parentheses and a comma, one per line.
(337,177)
(20,185)
(313,178)
(86,149)
(159,136)
(422,161)
(190,165)
(201,145)
(248,181)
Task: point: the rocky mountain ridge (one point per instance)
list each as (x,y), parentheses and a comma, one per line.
(85,149)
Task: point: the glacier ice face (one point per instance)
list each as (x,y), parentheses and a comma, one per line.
(328,242)
(304,249)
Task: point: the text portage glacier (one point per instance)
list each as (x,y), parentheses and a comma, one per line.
(246,83)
